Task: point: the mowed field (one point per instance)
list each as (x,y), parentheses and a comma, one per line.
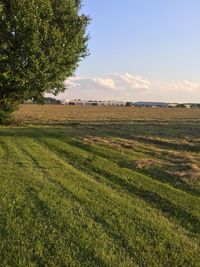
(100,186)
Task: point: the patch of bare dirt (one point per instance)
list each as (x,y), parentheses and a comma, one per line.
(190,171)
(146,163)
(183,165)
(111,143)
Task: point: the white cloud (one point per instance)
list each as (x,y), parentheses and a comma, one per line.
(114,82)
(182,87)
(106,83)
(129,87)
(133,81)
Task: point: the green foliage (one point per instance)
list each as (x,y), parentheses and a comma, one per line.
(5,117)
(41,43)
(6,110)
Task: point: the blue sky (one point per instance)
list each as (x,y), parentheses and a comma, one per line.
(152,44)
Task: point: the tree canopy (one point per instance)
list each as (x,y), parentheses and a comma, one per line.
(41,44)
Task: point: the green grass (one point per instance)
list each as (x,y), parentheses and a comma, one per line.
(100,194)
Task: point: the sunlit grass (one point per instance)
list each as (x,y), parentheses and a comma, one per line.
(100,194)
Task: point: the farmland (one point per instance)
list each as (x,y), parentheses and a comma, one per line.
(100,186)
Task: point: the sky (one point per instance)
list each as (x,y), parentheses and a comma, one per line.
(140,50)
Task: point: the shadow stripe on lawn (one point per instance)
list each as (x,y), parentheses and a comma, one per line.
(48,214)
(153,198)
(80,156)
(99,219)
(97,150)
(67,192)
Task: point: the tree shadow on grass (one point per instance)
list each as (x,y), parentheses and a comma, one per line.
(144,132)
(177,182)
(125,129)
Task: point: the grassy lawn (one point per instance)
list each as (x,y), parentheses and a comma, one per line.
(110,191)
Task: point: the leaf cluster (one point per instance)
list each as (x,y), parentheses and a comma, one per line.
(41,44)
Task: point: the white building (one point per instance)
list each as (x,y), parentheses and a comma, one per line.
(172,105)
(79,102)
(187,106)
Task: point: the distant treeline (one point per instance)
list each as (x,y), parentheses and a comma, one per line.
(46,100)
(191,105)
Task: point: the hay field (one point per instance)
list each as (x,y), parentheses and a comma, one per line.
(100,187)
(63,114)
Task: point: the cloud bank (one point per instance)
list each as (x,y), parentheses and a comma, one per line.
(115,82)
(130,87)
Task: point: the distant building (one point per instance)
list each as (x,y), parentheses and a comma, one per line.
(90,103)
(129,104)
(64,101)
(172,105)
(184,106)
(79,102)
(150,104)
(187,106)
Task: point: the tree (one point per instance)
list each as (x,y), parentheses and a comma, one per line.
(41,44)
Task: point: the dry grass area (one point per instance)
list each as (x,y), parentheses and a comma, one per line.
(170,136)
(62,114)
(172,162)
